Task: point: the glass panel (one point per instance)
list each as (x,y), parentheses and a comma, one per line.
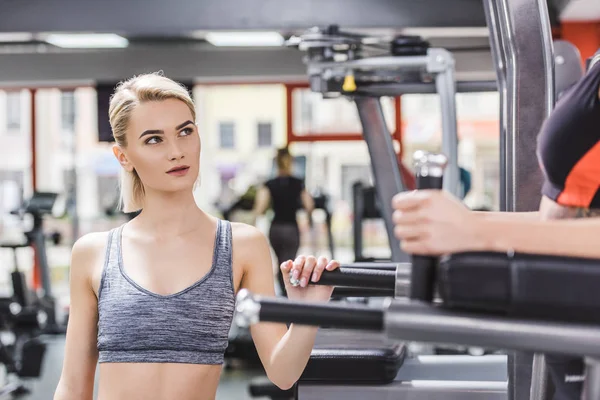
(318,116)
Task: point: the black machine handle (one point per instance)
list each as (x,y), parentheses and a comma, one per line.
(251,309)
(386,266)
(429,169)
(362,292)
(359,278)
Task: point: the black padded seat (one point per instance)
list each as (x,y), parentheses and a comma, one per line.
(344,357)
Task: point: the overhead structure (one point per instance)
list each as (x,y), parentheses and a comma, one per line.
(364,68)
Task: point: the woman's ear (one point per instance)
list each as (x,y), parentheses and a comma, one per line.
(122,158)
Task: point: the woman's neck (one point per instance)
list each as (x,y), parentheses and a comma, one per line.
(170,214)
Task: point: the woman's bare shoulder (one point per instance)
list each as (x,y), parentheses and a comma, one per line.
(88,251)
(245,234)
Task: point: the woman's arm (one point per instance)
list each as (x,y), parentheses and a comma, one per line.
(283,352)
(261,203)
(434,222)
(81,353)
(307,201)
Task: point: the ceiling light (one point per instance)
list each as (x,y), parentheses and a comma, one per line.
(245,39)
(16,37)
(87,41)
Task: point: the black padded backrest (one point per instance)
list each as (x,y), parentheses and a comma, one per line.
(522,285)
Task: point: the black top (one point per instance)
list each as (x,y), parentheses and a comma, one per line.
(285,197)
(569,145)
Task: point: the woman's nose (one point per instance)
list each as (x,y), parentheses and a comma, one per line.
(175,151)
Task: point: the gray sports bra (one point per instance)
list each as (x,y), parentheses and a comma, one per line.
(191,326)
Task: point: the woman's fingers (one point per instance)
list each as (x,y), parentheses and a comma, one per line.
(307,270)
(321,264)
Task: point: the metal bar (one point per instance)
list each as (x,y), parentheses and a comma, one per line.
(359,278)
(414,390)
(493,14)
(409,321)
(526,39)
(396,89)
(33,130)
(357,226)
(443,63)
(372,63)
(539,378)
(253,309)
(530,95)
(386,171)
(386,266)
(39,242)
(591,387)
(361,292)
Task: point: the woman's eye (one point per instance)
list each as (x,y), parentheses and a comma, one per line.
(187,131)
(153,140)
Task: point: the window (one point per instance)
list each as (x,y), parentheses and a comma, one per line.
(13,111)
(314,115)
(265,134)
(227,135)
(67,110)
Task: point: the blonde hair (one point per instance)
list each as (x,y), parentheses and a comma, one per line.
(129,94)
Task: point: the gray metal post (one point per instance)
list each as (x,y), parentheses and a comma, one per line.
(386,173)
(591,387)
(521,41)
(492,13)
(442,63)
(530,95)
(539,378)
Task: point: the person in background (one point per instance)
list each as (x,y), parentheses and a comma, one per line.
(286,194)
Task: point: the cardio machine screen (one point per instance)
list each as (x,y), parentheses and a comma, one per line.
(41,202)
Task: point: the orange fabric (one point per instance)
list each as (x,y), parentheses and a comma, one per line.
(583,181)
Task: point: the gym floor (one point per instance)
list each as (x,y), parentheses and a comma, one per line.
(233,385)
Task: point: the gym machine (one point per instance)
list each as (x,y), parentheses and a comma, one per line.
(505,301)
(519,321)
(365,69)
(353,65)
(38,206)
(343,364)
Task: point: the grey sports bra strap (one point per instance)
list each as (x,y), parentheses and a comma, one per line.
(111,259)
(223,253)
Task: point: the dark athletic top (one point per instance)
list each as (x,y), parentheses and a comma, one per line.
(569,145)
(285,198)
(191,326)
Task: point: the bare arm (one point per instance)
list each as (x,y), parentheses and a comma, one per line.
(434,222)
(261,203)
(81,354)
(307,201)
(571,238)
(283,352)
(534,215)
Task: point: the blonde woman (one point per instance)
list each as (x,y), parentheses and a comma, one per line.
(152,301)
